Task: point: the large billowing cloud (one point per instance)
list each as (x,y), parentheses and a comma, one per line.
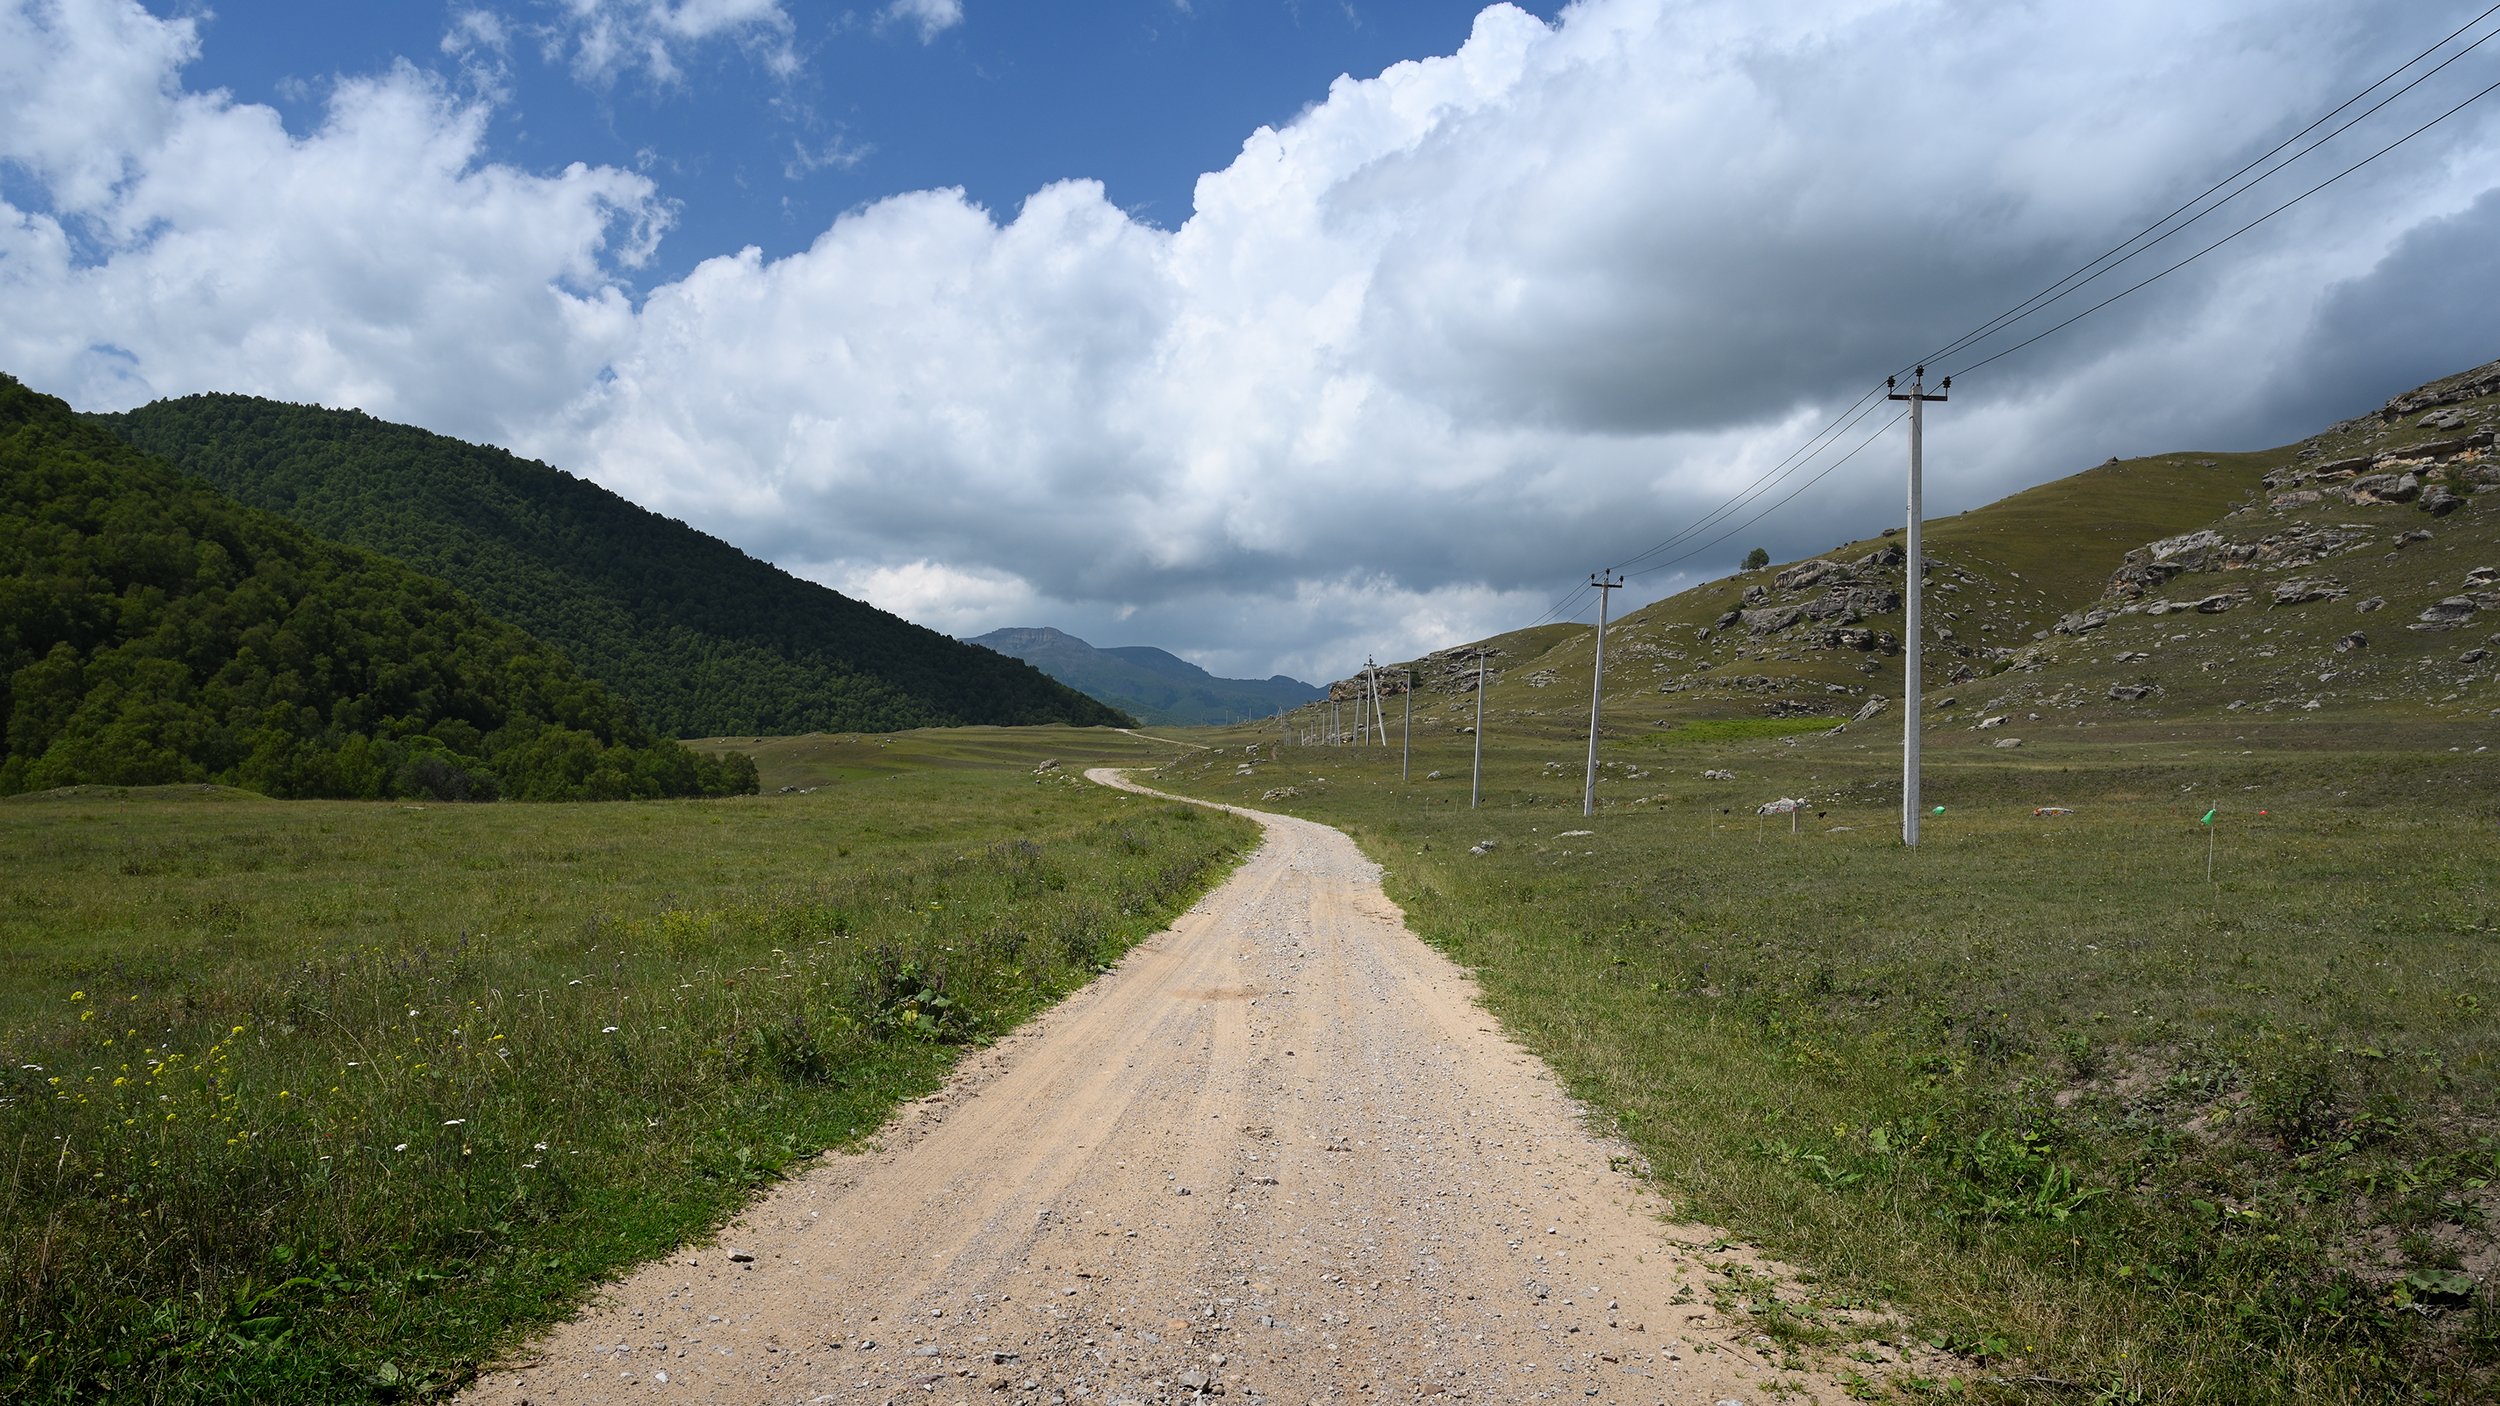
(191,243)
(1453,336)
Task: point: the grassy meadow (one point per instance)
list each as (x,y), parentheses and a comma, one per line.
(2106,1129)
(332,1101)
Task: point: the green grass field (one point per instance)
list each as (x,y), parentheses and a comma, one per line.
(331,1101)
(2108,1130)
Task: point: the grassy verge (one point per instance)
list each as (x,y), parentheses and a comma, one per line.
(332,1101)
(2107,1129)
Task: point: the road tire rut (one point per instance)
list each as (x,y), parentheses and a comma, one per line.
(1279,1154)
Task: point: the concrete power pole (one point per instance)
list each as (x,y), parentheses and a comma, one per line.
(1916,567)
(1363,705)
(1375,727)
(1606,583)
(1475,787)
(1406,736)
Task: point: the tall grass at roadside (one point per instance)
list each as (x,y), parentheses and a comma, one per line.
(2105,1129)
(328,1102)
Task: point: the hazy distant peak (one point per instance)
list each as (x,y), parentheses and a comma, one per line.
(1155,684)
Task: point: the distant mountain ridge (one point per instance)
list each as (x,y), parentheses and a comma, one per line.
(1156,685)
(701,638)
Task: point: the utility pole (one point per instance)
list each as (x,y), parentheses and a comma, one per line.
(1363,704)
(1475,787)
(1372,733)
(1606,583)
(1917,396)
(1406,737)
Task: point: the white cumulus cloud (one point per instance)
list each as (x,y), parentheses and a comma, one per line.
(1450,338)
(191,243)
(607,39)
(930,17)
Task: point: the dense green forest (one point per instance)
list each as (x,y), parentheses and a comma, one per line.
(702,638)
(153,631)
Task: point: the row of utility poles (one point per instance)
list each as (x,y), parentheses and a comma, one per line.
(1371,722)
(1370,707)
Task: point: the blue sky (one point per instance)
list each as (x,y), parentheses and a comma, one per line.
(1142,95)
(1137,320)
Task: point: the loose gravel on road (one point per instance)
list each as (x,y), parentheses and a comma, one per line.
(1280,1154)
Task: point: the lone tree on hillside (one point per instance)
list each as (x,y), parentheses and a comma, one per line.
(1757,559)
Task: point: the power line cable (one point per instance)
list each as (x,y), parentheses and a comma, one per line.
(1769,508)
(1795,461)
(2252,224)
(1567,606)
(2088,273)
(1824,439)
(2119,254)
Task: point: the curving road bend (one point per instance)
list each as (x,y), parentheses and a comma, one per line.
(1278,1154)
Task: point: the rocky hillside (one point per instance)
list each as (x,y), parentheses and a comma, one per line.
(2356,572)
(2363,575)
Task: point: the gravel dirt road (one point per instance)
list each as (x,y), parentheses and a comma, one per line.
(1279,1154)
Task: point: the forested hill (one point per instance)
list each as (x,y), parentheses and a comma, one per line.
(152,631)
(702,638)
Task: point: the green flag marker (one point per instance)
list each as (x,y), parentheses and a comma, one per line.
(2209,817)
(1938,810)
